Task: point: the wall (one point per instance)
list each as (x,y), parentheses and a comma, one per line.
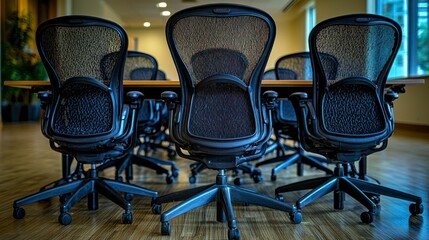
(152,41)
(411,107)
(330,8)
(96,8)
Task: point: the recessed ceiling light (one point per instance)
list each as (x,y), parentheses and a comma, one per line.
(165,13)
(161,5)
(146,24)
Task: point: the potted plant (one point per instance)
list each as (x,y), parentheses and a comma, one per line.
(19,62)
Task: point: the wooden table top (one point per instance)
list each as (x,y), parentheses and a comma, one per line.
(28,84)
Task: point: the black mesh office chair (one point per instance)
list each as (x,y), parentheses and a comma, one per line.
(220,120)
(84,114)
(350,116)
(142,66)
(160,75)
(294,66)
(269,75)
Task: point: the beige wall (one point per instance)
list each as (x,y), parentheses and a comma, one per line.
(96,8)
(412,107)
(152,41)
(330,8)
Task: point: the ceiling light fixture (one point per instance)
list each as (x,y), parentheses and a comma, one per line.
(146,24)
(165,13)
(161,5)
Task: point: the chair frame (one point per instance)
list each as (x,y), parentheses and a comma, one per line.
(338,147)
(218,154)
(288,129)
(72,190)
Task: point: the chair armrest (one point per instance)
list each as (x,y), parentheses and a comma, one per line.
(270,98)
(304,111)
(45,100)
(129,118)
(135,98)
(389,97)
(170,98)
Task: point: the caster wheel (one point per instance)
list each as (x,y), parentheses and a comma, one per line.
(374,198)
(129,196)
(273,178)
(257,179)
(127,218)
(296,217)
(416,209)
(233,234)
(65,218)
(18,213)
(169,179)
(367,217)
(156,209)
(175,172)
(257,175)
(238,181)
(192,179)
(172,154)
(280,198)
(165,229)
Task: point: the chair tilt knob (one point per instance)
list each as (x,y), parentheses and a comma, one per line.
(270,98)
(135,98)
(170,98)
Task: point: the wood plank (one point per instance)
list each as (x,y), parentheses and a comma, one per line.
(27,163)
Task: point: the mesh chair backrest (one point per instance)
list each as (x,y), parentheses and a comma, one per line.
(160,75)
(220,51)
(364,46)
(298,66)
(270,75)
(84,59)
(140,66)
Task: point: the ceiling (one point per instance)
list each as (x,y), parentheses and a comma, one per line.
(134,12)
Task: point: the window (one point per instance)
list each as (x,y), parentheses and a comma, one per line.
(413,55)
(310,21)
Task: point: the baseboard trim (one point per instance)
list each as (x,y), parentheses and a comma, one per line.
(412,127)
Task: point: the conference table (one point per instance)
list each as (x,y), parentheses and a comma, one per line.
(153,88)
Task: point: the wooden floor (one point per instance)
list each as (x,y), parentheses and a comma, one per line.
(27,163)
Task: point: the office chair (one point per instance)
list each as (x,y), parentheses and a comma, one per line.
(294,66)
(269,75)
(160,75)
(349,117)
(220,51)
(141,66)
(84,114)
